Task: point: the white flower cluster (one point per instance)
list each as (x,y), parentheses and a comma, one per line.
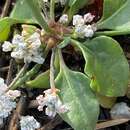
(53,103)
(29,123)
(27,49)
(7,103)
(120,110)
(83,28)
(64,19)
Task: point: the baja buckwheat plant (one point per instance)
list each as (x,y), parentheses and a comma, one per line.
(36,35)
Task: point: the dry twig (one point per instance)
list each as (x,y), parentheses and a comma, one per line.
(6,8)
(20,109)
(111,123)
(10,72)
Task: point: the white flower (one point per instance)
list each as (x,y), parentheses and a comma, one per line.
(120,110)
(63,19)
(13,94)
(57,1)
(34,56)
(88,31)
(6,106)
(7,103)
(79,30)
(53,103)
(7,46)
(45,0)
(27,49)
(88,18)
(63,2)
(3,86)
(84,31)
(18,41)
(94,27)
(78,20)
(18,54)
(34,41)
(29,123)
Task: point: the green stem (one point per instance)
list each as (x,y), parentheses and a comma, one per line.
(34,5)
(52,10)
(52,71)
(22,71)
(29,74)
(112,33)
(62,63)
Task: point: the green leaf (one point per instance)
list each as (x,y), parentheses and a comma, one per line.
(110,7)
(5,26)
(116,16)
(106,65)
(41,81)
(106,102)
(77,95)
(75,5)
(22,11)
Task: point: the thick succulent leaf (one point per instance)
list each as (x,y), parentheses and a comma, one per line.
(5,26)
(22,11)
(106,102)
(75,5)
(110,7)
(118,17)
(41,81)
(76,93)
(106,65)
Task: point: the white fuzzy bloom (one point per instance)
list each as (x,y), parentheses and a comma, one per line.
(94,27)
(6,106)
(78,20)
(57,1)
(6,102)
(63,19)
(79,30)
(27,49)
(53,103)
(88,18)
(13,94)
(18,41)
(29,123)
(34,41)
(63,2)
(19,54)
(84,31)
(7,46)
(88,31)
(34,56)
(120,110)
(45,0)
(3,86)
